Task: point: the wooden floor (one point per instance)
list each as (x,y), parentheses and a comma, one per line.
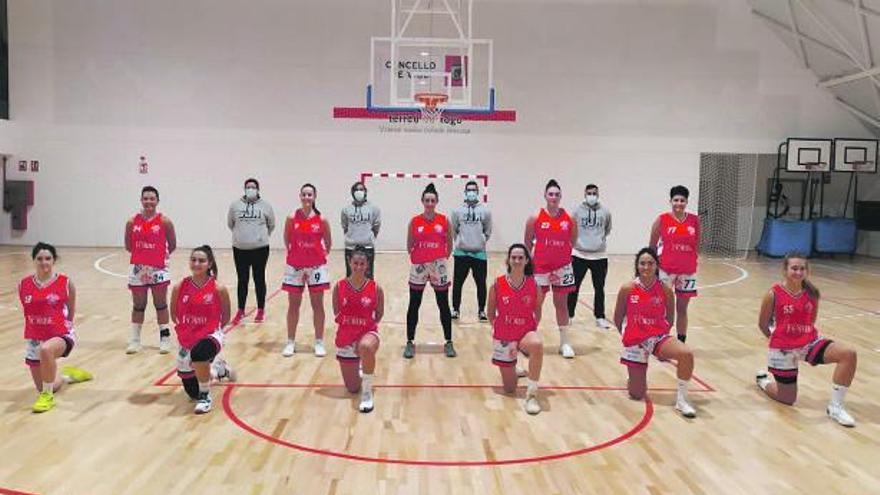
(440,425)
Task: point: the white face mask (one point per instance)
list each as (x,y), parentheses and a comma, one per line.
(360,195)
(251,193)
(470,196)
(592,199)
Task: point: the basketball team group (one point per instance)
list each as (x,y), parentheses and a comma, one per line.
(559,248)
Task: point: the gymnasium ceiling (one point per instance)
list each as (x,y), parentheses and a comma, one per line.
(839,40)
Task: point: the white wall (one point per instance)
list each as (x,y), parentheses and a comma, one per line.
(622,93)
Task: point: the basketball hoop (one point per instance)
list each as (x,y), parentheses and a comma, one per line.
(864,166)
(814,167)
(431,102)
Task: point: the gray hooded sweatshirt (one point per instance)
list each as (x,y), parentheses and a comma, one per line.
(251,223)
(472,227)
(360,222)
(594,225)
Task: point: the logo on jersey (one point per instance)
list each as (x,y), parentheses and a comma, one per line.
(316,227)
(691,230)
(564,225)
(208,299)
(155,229)
(438,229)
(366,301)
(52,299)
(505,299)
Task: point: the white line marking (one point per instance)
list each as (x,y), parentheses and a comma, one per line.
(743,274)
(105,271)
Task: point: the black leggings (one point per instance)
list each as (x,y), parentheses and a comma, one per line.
(245,259)
(598,270)
(464,264)
(412,314)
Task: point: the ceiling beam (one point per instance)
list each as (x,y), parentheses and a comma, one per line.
(773,22)
(865,10)
(797,34)
(858,113)
(848,78)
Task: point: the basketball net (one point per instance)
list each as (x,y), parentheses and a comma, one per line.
(862,166)
(431,109)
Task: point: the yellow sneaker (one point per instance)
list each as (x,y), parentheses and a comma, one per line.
(76,375)
(45,402)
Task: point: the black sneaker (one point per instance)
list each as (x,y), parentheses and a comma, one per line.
(483,316)
(455,314)
(449,349)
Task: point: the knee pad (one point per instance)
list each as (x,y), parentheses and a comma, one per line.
(204,351)
(139,309)
(160,308)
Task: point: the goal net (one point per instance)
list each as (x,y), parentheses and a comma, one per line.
(728,182)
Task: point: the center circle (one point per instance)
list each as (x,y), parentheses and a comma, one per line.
(230,413)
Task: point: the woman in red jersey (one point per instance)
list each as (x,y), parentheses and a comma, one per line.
(514,310)
(788,319)
(677,233)
(150,238)
(358,305)
(551,234)
(429,243)
(308,240)
(49,303)
(200,309)
(644,314)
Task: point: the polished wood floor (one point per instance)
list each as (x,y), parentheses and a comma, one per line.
(440,425)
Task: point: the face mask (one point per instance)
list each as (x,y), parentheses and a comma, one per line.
(592,199)
(251,193)
(470,196)
(360,195)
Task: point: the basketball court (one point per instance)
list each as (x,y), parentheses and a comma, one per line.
(636,97)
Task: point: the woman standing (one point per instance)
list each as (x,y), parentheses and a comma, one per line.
(358,306)
(361,221)
(49,303)
(200,307)
(514,311)
(678,234)
(307,237)
(150,238)
(788,319)
(552,233)
(251,220)
(429,243)
(644,315)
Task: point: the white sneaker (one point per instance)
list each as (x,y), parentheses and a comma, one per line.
(289,349)
(839,414)
(567,351)
(521,373)
(366,404)
(685,409)
(532,406)
(220,369)
(164,345)
(603,323)
(134,347)
(762,380)
(320,351)
(204,404)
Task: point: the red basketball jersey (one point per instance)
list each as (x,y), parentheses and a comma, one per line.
(552,241)
(515,309)
(357,312)
(679,243)
(45,307)
(793,317)
(198,311)
(149,244)
(305,238)
(645,313)
(429,238)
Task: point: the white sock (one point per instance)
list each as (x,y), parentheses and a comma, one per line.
(319,341)
(49,387)
(367,382)
(683,389)
(563,334)
(204,387)
(837,394)
(531,387)
(763,382)
(136,332)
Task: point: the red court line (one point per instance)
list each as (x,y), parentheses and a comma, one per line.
(230,413)
(161,381)
(7,491)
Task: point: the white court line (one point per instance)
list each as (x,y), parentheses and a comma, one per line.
(101,269)
(16,253)
(842,269)
(743,274)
